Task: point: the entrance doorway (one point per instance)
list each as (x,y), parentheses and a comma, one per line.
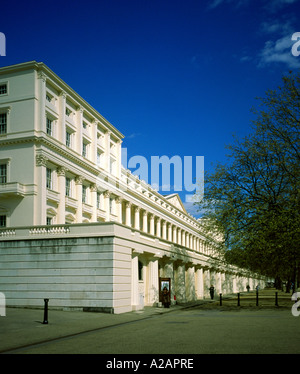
(164,282)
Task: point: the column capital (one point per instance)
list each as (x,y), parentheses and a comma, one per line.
(106,193)
(61,171)
(93,187)
(80,109)
(79,179)
(42,76)
(41,160)
(118,200)
(63,94)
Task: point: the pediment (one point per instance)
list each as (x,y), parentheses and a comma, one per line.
(175,200)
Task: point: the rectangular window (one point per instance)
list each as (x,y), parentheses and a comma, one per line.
(84,150)
(49,179)
(98,200)
(68,139)
(2,221)
(49,126)
(84,197)
(3,89)
(99,158)
(111,206)
(68,187)
(3,173)
(3,123)
(49,221)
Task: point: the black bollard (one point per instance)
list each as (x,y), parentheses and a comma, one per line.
(220,299)
(256,297)
(238,295)
(276,298)
(45,322)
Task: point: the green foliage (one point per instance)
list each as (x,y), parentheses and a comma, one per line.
(253,200)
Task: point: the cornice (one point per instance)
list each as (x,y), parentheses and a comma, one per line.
(63,86)
(45,73)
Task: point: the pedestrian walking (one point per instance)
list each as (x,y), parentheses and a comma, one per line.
(248,287)
(212,291)
(166,297)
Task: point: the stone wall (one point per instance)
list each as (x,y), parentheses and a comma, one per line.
(71,272)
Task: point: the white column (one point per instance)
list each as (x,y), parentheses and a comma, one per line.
(164,230)
(201,246)
(158,227)
(145,221)
(118,155)
(61,175)
(79,119)
(94,130)
(190,283)
(134,281)
(151,224)
(62,116)
(180,283)
(187,240)
(174,234)
(199,283)
(183,238)
(106,195)
(206,281)
(137,218)
(40,210)
(94,201)
(118,202)
(42,99)
(128,214)
(169,232)
(107,150)
(153,287)
(179,236)
(78,183)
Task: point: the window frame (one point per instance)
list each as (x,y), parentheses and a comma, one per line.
(4,114)
(3,218)
(49,172)
(51,127)
(3,175)
(5,83)
(84,195)
(68,191)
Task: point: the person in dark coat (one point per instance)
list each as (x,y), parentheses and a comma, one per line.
(166,297)
(212,291)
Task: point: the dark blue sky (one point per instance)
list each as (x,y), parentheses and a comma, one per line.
(176,77)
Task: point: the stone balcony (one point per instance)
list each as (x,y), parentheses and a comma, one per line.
(12,189)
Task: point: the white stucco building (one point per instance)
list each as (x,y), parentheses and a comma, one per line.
(78,228)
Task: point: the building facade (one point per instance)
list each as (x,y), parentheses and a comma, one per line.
(78,228)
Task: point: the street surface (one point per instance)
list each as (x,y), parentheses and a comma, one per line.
(184,331)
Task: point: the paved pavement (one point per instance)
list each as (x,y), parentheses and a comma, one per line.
(23,327)
(193,328)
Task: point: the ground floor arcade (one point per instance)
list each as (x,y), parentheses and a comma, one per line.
(107,267)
